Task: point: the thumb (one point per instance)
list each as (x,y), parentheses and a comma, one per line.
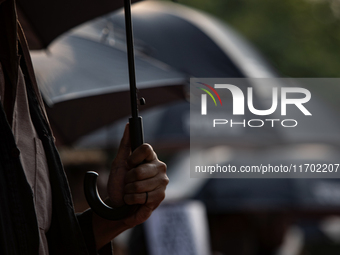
(124,150)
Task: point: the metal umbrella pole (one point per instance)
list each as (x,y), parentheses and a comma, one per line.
(136,126)
(136,136)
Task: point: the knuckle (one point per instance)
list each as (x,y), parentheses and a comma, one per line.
(165,180)
(162,167)
(153,206)
(149,146)
(146,148)
(161,197)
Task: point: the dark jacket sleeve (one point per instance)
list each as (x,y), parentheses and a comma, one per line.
(85,222)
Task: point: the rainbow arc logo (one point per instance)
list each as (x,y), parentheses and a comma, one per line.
(204,97)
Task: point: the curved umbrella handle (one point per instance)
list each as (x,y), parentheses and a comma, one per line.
(97,204)
(90,181)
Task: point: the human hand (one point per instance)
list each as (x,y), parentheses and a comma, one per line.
(132,176)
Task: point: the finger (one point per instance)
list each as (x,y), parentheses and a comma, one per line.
(124,150)
(155,197)
(146,185)
(143,172)
(143,153)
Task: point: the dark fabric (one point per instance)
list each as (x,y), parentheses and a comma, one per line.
(18,223)
(87,229)
(137,241)
(45,20)
(84,220)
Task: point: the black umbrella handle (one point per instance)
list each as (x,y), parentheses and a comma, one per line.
(90,181)
(98,206)
(136,132)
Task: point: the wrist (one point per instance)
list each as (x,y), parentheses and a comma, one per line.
(106,230)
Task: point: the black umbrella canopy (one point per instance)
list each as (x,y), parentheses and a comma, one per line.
(43,20)
(184,38)
(85,85)
(192,41)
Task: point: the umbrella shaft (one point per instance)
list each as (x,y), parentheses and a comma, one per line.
(131,60)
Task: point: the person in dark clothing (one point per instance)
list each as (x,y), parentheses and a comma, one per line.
(36,210)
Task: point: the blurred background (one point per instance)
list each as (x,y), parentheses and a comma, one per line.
(299,38)
(83,79)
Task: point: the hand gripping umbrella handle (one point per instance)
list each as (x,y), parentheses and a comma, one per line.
(90,181)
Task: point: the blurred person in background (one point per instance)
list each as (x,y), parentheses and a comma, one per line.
(252,233)
(36,210)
